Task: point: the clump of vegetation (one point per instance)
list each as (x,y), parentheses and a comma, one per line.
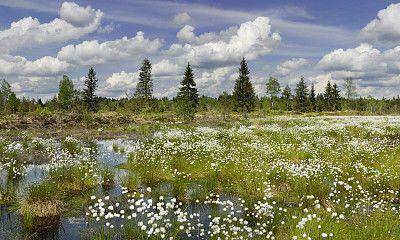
(71,145)
(7,193)
(42,206)
(108,176)
(73,179)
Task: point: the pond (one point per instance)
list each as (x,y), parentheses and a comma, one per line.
(69,227)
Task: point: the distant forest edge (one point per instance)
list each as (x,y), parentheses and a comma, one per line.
(243,100)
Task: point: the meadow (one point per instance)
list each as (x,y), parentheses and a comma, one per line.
(283,177)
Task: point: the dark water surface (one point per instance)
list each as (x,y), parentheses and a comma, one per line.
(68,228)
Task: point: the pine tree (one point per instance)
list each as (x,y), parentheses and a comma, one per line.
(273,89)
(328,97)
(320,103)
(301,96)
(312,99)
(287,96)
(144,87)
(336,97)
(89,96)
(40,102)
(66,92)
(187,98)
(12,103)
(5,91)
(243,93)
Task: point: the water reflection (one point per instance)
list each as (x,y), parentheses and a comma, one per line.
(66,228)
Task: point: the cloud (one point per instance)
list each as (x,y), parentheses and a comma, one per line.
(213,55)
(187,35)
(122,80)
(181,19)
(126,81)
(291,65)
(376,72)
(20,66)
(93,52)
(166,68)
(29,31)
(320,81)
(108,28)
(251,40)
(215,82)
(77,15)
(37,87)
(364,58)
(385,27)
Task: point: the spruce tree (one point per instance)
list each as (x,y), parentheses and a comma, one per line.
(320,103)
(144,87)
(89,96)
(301,96)
(5,91)
(286,96)
(12,103)
(328,97)
(273,89)
(312,98)
(336,97)
(243,93)
(187,98)
(66,92)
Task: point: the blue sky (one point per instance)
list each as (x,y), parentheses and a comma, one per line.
(320,40)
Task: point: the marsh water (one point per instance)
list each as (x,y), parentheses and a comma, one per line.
(76,226)
(69,227)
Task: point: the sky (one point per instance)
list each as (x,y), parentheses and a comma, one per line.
(321,40)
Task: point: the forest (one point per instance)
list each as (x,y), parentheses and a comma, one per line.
(277,99)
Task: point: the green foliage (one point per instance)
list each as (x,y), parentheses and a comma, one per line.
(332,97)
(312,99)
(89,91)
(66,92)
(144,87)
(243,93)
(5,91)
(273,88)
(225,104)
(301,96)
(350,88)
(187,98)
(287,96)
(188,103)
(12,103)
(108,176)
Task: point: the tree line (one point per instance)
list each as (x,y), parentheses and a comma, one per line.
(187,101)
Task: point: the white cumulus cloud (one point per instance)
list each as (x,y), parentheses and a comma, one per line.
(251,40)
(385,27)
(364,58)
(181,18)
(29,31)
(93,52)
(20,66)
(291,65)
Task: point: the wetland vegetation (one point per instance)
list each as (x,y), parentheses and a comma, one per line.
(284,177)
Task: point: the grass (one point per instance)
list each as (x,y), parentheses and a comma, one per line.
(108,177)
(304,165)
(41,208)
(285,177)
